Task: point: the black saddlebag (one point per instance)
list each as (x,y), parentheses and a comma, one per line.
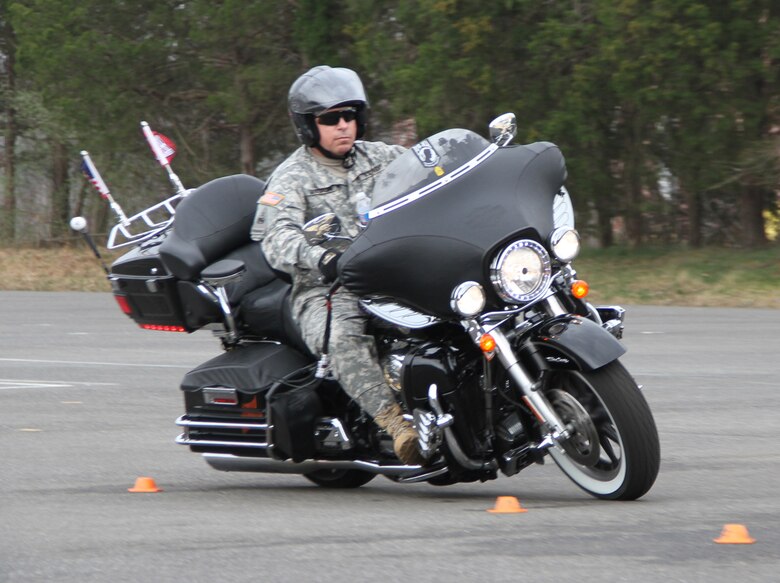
(274,379)
(249,368)
(294,414)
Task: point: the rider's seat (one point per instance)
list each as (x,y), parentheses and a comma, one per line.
(213,223)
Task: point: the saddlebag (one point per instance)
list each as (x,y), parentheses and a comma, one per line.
(294,415)
(273,383)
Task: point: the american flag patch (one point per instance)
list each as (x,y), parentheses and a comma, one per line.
(271,198)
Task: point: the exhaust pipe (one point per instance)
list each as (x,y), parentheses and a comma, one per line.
(232,463)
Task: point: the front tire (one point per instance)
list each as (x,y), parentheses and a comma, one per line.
(613,452)
(340,478)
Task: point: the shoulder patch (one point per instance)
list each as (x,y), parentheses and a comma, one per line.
(271,198)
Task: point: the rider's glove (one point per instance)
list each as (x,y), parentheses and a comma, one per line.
(328,265)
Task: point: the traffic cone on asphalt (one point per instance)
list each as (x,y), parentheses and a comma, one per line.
(144,484)
(735,534)
(507,505)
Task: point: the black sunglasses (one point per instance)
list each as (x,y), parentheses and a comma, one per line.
(331,118)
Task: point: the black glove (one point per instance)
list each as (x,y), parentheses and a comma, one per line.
(328,266)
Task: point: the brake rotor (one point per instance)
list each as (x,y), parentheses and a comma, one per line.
(582,445)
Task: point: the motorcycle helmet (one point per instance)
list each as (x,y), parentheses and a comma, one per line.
(322,88)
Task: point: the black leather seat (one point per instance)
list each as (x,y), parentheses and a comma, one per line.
(213,223)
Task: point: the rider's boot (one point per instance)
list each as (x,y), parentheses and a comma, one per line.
(404,434)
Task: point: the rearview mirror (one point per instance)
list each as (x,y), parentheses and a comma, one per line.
(321,229)
(503,129)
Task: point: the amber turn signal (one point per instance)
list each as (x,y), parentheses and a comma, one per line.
(487,343)
(579,288)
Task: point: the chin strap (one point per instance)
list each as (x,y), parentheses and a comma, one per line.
(347,160)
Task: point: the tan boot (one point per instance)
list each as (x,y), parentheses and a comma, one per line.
(403,433)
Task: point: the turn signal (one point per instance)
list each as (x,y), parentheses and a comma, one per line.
(487,343)
(579,288)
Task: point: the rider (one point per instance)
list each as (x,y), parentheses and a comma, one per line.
(327,174)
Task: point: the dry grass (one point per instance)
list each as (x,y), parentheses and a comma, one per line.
(62,269)
(704,277)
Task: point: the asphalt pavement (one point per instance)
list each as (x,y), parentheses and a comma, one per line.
(88,403)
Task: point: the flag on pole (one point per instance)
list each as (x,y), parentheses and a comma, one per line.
(163,147)
(166,145)
(92,174)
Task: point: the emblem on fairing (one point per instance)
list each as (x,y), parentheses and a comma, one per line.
(426,154)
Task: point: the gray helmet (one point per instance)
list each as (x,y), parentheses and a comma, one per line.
(320,89)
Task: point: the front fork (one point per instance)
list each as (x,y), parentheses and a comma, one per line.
(531,390)
(532,395)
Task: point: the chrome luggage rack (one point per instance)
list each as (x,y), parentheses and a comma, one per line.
(150,222)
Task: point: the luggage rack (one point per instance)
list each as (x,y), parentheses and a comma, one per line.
(150,222)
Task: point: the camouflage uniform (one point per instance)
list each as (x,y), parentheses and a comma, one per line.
(303,187)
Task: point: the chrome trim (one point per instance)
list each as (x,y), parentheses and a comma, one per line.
(544,282)
(435,185)
(460,292)
(212,393)
(396,313)
(146,221)
(533,397)
(185,440)
(337,435)
(423,477)
(184,422)
(443,422)
(233,463)
(563,210)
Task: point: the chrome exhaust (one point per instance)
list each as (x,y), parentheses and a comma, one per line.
(232,463)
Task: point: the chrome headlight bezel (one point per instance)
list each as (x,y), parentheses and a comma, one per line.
(468,299)
(565,244)
(530,256)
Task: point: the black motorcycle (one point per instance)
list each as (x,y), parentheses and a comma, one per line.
(483,329)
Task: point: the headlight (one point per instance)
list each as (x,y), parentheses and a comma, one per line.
(565,244)
(468,299)
(521,272)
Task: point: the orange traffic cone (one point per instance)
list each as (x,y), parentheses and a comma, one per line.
(735,534)
(507,505)
(144,485)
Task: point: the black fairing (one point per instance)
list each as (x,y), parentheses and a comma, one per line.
(419,252)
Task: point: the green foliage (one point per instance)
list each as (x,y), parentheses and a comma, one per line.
(630,89)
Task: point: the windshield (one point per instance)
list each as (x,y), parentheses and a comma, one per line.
(426,162)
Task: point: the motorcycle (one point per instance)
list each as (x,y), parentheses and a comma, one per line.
(483,330)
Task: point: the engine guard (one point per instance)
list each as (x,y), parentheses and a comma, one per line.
(574,341)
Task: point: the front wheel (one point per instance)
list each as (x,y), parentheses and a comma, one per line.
(613,450)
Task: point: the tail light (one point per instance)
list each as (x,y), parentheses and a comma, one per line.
(124,305)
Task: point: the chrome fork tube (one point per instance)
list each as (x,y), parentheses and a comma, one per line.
(534,398)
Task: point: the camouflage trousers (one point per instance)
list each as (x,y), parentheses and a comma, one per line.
(353,355)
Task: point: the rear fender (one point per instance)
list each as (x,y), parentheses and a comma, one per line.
(572,341)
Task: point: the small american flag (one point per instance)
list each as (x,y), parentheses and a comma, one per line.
(92,174)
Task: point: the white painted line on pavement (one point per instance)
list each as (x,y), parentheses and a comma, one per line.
(90,363)
(7,384)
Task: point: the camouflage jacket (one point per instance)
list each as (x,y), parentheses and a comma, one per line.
(302,188)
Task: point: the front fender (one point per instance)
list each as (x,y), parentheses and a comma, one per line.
(572,340)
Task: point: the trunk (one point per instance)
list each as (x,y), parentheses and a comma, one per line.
(8,221)
(693,201)
(751,207)
(247,150)
(60,191)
